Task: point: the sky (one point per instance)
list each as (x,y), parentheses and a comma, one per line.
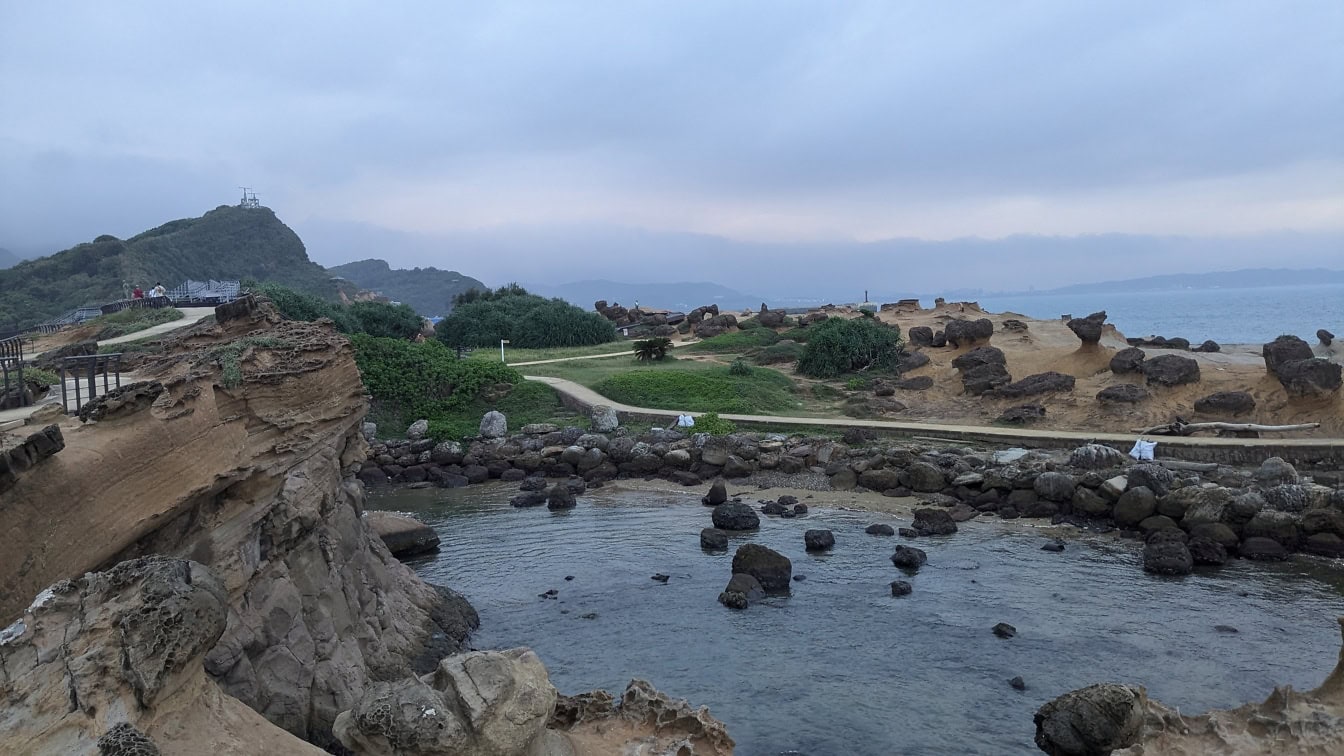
(443,133)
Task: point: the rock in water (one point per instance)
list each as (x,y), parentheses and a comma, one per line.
(494,425)
(933,522)
(819,540)
(402,535)
(909,558)
(771,568)
(713,539)
(880,529)
(1095,720)
(603,419)
(718,494)
(901,588)
(735,515)
(1017,683)
(1004,630)
(1167,557)
(560,497)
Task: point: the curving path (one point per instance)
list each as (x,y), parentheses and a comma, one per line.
(1231,450)
(626,353)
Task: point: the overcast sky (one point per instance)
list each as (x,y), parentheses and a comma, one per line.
(768,121)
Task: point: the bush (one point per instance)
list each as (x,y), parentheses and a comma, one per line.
(527,402)
(652,350)
(711,423)
(775,354)
(426,379)
(386,320)
(296,305)
(798,334)
(739,368)
(837,346)
(526,320)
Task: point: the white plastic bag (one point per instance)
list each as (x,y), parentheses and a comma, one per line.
(1143,449)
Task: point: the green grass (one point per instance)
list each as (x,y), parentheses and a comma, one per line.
(147,345)
(513,356)
(39,375)
(735,342)
(131,320)
(708,389)
(528,402)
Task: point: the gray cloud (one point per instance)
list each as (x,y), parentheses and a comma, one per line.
(781,121)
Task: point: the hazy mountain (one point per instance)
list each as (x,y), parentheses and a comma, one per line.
(429,290)
(1247,278)
(7,258)
(683,296)
(228,242)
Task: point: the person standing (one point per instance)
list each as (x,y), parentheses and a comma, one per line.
(159,291)
(137,292)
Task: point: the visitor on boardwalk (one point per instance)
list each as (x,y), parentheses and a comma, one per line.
(159,291)
(137,292)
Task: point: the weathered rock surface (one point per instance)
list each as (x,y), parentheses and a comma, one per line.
(1123,393)
(1095,720)
(603,419)
(403,535)
(968,332)
(818,540)
(734,515)
(1171,370)
(643,721)
(494,425)
(1128,361)
(930,521)
(771,568)
(1088,329)
(1229,403)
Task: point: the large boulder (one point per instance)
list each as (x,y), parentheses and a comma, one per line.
(1123,393)
(1274,471)
(1281,527)
(494,425)
(713,539)
(924,477)
(734,515)
(603,419)
(718,494)
(1032,385)
(968,332)
(1167,557)
(982,379)
(560,497)
(1092,721)
(482,703)
(930,521)
(1225,403)
(1311,378)
(1097,457)
(1054,486)
(1021,414)
(1171,370)
(1283,350)
(417,430)
(1155,478)
(920,336)
(985,355)
(1088,329)
(1134,506)
(1126,361)
(401,534)
(771,568)
(909,558)
(818,540)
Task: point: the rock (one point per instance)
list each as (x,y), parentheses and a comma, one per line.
(718,494)
(370,431)
(121,401)
(446,453)
(1315,377)
(1325,336)
(1088,329)
(1206,551)
(560,497)
(401,534)
(603,419)
(1092,721)
(1111,488)
(713,539)
(125,740)
(909,558)
(1013,325)
(1275,471)
(980,356)
(535,483)
(1324,544)
(481,702)
(917,383)
(1054,486)
(1128,361)
(1032,385)
(1263,549)
(1124,393)
(1155,478)
(529,499)
(1089,503)
(736,467)
(1281,527)
(746,585)
(1017,683)
(883,479)
(920,336)
(1097,457)
(962,512)
(968,332)
(734,515)
(1022,414)
(907,532)
(1163,557)
(1004,630)
(1226,403)
(734,600)
(1216,532)
(1208,347)
(1134,506)
(494,425)
(819,540)
(880,529)
(924,477)
(1286,498)
(1054,546)
(1283,350)
(771,568)
(1323,521)
(933,522)
(1171,370)
(901,588)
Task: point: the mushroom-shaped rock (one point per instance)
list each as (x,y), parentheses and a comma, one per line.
(718,494)
(771,568)
(1091,721)
(1088,329)
(1326,337)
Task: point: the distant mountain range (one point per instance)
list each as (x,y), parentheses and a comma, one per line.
(1249,278)
(429,291)
(684,296)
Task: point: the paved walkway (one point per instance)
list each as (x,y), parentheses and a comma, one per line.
(190,316)
(1330,447)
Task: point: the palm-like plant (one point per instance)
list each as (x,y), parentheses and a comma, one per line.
(652,350)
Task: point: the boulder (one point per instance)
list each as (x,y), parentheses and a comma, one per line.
(933,522)
(884,479)
(1054,486)
(1033,385)
(1004,630)
(1097,457)
(1091,721)
(602,419)
(1171,370)
(734,515)
(1154,523)
(1225,403)
(401,534)
(1275,471)
(1207,552)
(560,497)
(880,529)
(771,568)
(1155,478)
(749,587)
(916,383)
(1286,498)
(923,477)
(1123,393)
(481,702)
(1324,544)
(909,558)
(736,467)
(901,588)
(1127,361)
(1263,549)
(1326,337)
(1283,350)
(1281,527)
(920,336)
(1315,377)
(985,355)
(1088,329)
(1023,414)
(1134,506)
(818,540)
(718,494)
(529,499)
(494,425)
(968,332)
(1089,503)
(1208,347)
(713,539)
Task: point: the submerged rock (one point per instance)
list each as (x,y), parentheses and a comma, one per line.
(718,494)
(901,588)
(713,539)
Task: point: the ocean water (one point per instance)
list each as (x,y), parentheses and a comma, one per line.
(842,667)
(1228,316)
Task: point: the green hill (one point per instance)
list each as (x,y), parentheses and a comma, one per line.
(227,243)
(429,291)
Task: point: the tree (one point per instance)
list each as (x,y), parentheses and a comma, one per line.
(837,346)
(382,319)
(527,320)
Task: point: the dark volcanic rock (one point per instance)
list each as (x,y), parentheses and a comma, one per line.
(1206,551)
(771,568)
(735,515)
(909,558)
(1040,383)
(1004,630)
(1283,350)
(1128,361)
(560,497)
(1124,393)
(1022,414)
(917,383)
(1209,347)
(1092,721)
(1171,370)
(1088,329)
(1310,378)
(1134,506)
(1326,337)
(920,336)
(1167,558)
(933,522)
(901,588)
(968,332)
(1155,478)
(924,477)
(985,355)
(718,494)
(880,529)
(713,539)
(1225,403)
(818,540)
(529,499)
(1013,325)
(1263,549)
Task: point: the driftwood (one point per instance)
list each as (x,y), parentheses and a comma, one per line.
(1182,428)
(1176,464)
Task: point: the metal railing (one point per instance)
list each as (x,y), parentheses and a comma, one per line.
(87,368)
(11,365)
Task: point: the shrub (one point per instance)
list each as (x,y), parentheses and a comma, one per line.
(652,350)
(386,320)
(426,379)
(739,368)
(825,392)
(781,352)
(711,423)
(38,375)
(838,346)
(858,384)
(798,334)
(526,320)
(296,305)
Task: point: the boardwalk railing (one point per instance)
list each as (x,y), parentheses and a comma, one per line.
(85,370)
(11,365)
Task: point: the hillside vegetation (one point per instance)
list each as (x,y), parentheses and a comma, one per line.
(226,243)
(429,291)
(484,318)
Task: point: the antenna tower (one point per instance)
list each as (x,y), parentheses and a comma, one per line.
(249,199)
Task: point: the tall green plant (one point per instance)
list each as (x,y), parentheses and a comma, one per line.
(837,346)
(526,320)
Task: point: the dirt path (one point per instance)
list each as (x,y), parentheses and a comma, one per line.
(626,353)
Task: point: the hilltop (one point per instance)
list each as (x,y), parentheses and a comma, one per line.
(429,291)
(228,242)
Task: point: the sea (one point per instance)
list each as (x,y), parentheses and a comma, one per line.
(1228,316)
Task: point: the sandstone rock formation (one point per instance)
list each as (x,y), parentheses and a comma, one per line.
(401,534)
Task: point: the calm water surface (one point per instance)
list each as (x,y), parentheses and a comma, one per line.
(841,667)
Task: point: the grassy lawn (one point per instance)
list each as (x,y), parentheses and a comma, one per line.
(512,356)
(528,402)
(131,320)
(711,389)
(735,342)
